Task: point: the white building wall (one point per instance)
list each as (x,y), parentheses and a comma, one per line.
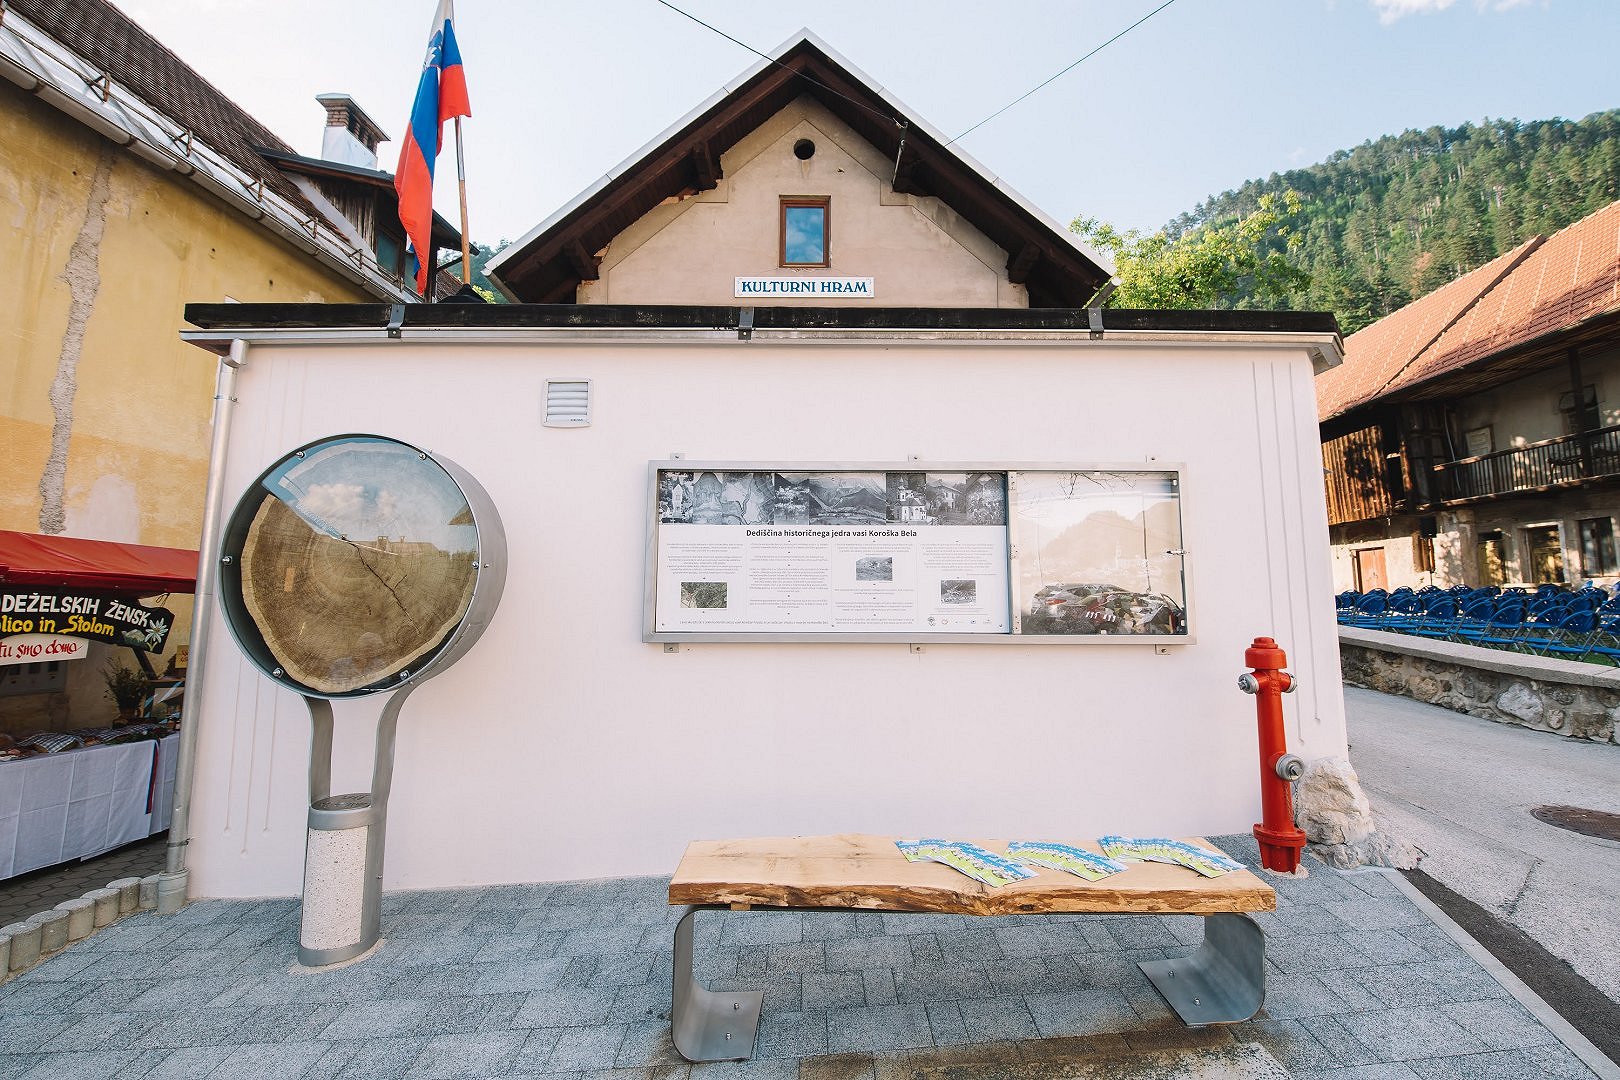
(563,747)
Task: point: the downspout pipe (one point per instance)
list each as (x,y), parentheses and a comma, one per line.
(172,883)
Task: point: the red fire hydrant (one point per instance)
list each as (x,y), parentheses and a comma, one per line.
(1280,840)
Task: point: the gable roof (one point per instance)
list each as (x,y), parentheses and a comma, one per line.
(547,264)
(1487,323)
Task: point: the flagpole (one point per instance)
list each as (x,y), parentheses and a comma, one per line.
(461,184)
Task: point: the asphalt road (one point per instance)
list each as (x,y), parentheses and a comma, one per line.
(1462,789)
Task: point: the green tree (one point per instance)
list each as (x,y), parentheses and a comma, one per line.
(1397,216)
(1209,265)
(480,281)
(486,288)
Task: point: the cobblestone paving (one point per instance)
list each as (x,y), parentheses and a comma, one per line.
(42,890)
(573,980)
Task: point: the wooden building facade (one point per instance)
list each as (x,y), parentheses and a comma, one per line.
(1473,437)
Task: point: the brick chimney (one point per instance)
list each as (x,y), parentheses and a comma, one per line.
(351,136)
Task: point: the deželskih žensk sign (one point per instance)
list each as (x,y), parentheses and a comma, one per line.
(842,287)
(101,617)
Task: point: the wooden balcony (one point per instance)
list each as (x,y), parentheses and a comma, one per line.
(1543,466)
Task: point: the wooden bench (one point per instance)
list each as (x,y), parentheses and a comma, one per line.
(1222,983)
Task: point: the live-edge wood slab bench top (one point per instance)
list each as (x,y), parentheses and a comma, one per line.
(869,873)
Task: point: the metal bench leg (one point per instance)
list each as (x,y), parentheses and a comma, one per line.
(1224,982)
(709,1026)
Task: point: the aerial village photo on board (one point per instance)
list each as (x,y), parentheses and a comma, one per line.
(678,539)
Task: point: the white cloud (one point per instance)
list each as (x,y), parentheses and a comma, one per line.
(340,504)
(1391,10)
(387,507)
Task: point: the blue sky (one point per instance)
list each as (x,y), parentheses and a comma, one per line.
(1204,95)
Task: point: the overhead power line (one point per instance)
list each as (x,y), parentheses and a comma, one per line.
(895,120)
(1062,73)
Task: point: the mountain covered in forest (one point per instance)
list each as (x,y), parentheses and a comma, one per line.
(1397,217)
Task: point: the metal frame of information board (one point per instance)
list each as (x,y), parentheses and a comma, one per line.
(650,634)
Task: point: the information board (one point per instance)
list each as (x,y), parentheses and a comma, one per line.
(745,551)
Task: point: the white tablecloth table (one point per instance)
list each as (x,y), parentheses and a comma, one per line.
(56,808)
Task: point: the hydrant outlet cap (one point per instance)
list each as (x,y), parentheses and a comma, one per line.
(1264,655)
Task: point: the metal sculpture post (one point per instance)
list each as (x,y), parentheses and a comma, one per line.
(343,854)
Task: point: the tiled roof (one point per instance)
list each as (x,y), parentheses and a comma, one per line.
(1375,357)
(110,40)
(1544,285)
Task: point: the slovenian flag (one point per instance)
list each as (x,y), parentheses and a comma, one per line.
(440,94)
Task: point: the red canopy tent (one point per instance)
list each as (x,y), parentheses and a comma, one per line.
(32,559)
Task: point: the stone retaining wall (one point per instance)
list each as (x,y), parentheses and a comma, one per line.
(1579,700)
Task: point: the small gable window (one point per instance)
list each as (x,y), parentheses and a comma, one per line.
(804,230)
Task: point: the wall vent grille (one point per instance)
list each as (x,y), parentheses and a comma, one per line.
(568,402)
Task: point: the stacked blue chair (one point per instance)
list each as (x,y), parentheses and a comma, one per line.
(1605,645)
(1500,627)
(1551,620)
(1405,613)
(1572,636)
(1473,617)
(1369,610)
(1438,619)
(1541,621)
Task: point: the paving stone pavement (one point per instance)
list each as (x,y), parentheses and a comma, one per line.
(42,890)
(573,980)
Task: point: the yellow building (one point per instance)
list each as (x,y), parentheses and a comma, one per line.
(129,186)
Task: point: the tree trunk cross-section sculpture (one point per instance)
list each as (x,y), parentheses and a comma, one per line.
(359,560)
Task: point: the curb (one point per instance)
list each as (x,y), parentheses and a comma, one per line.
(40,937)
(1561,1029)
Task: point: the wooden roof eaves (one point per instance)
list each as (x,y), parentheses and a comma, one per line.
(1365,418)
(640,185)
(566,216)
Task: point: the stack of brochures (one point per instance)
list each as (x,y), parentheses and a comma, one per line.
(1066,857)
(1206,861)
(976,862)
(982,864)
